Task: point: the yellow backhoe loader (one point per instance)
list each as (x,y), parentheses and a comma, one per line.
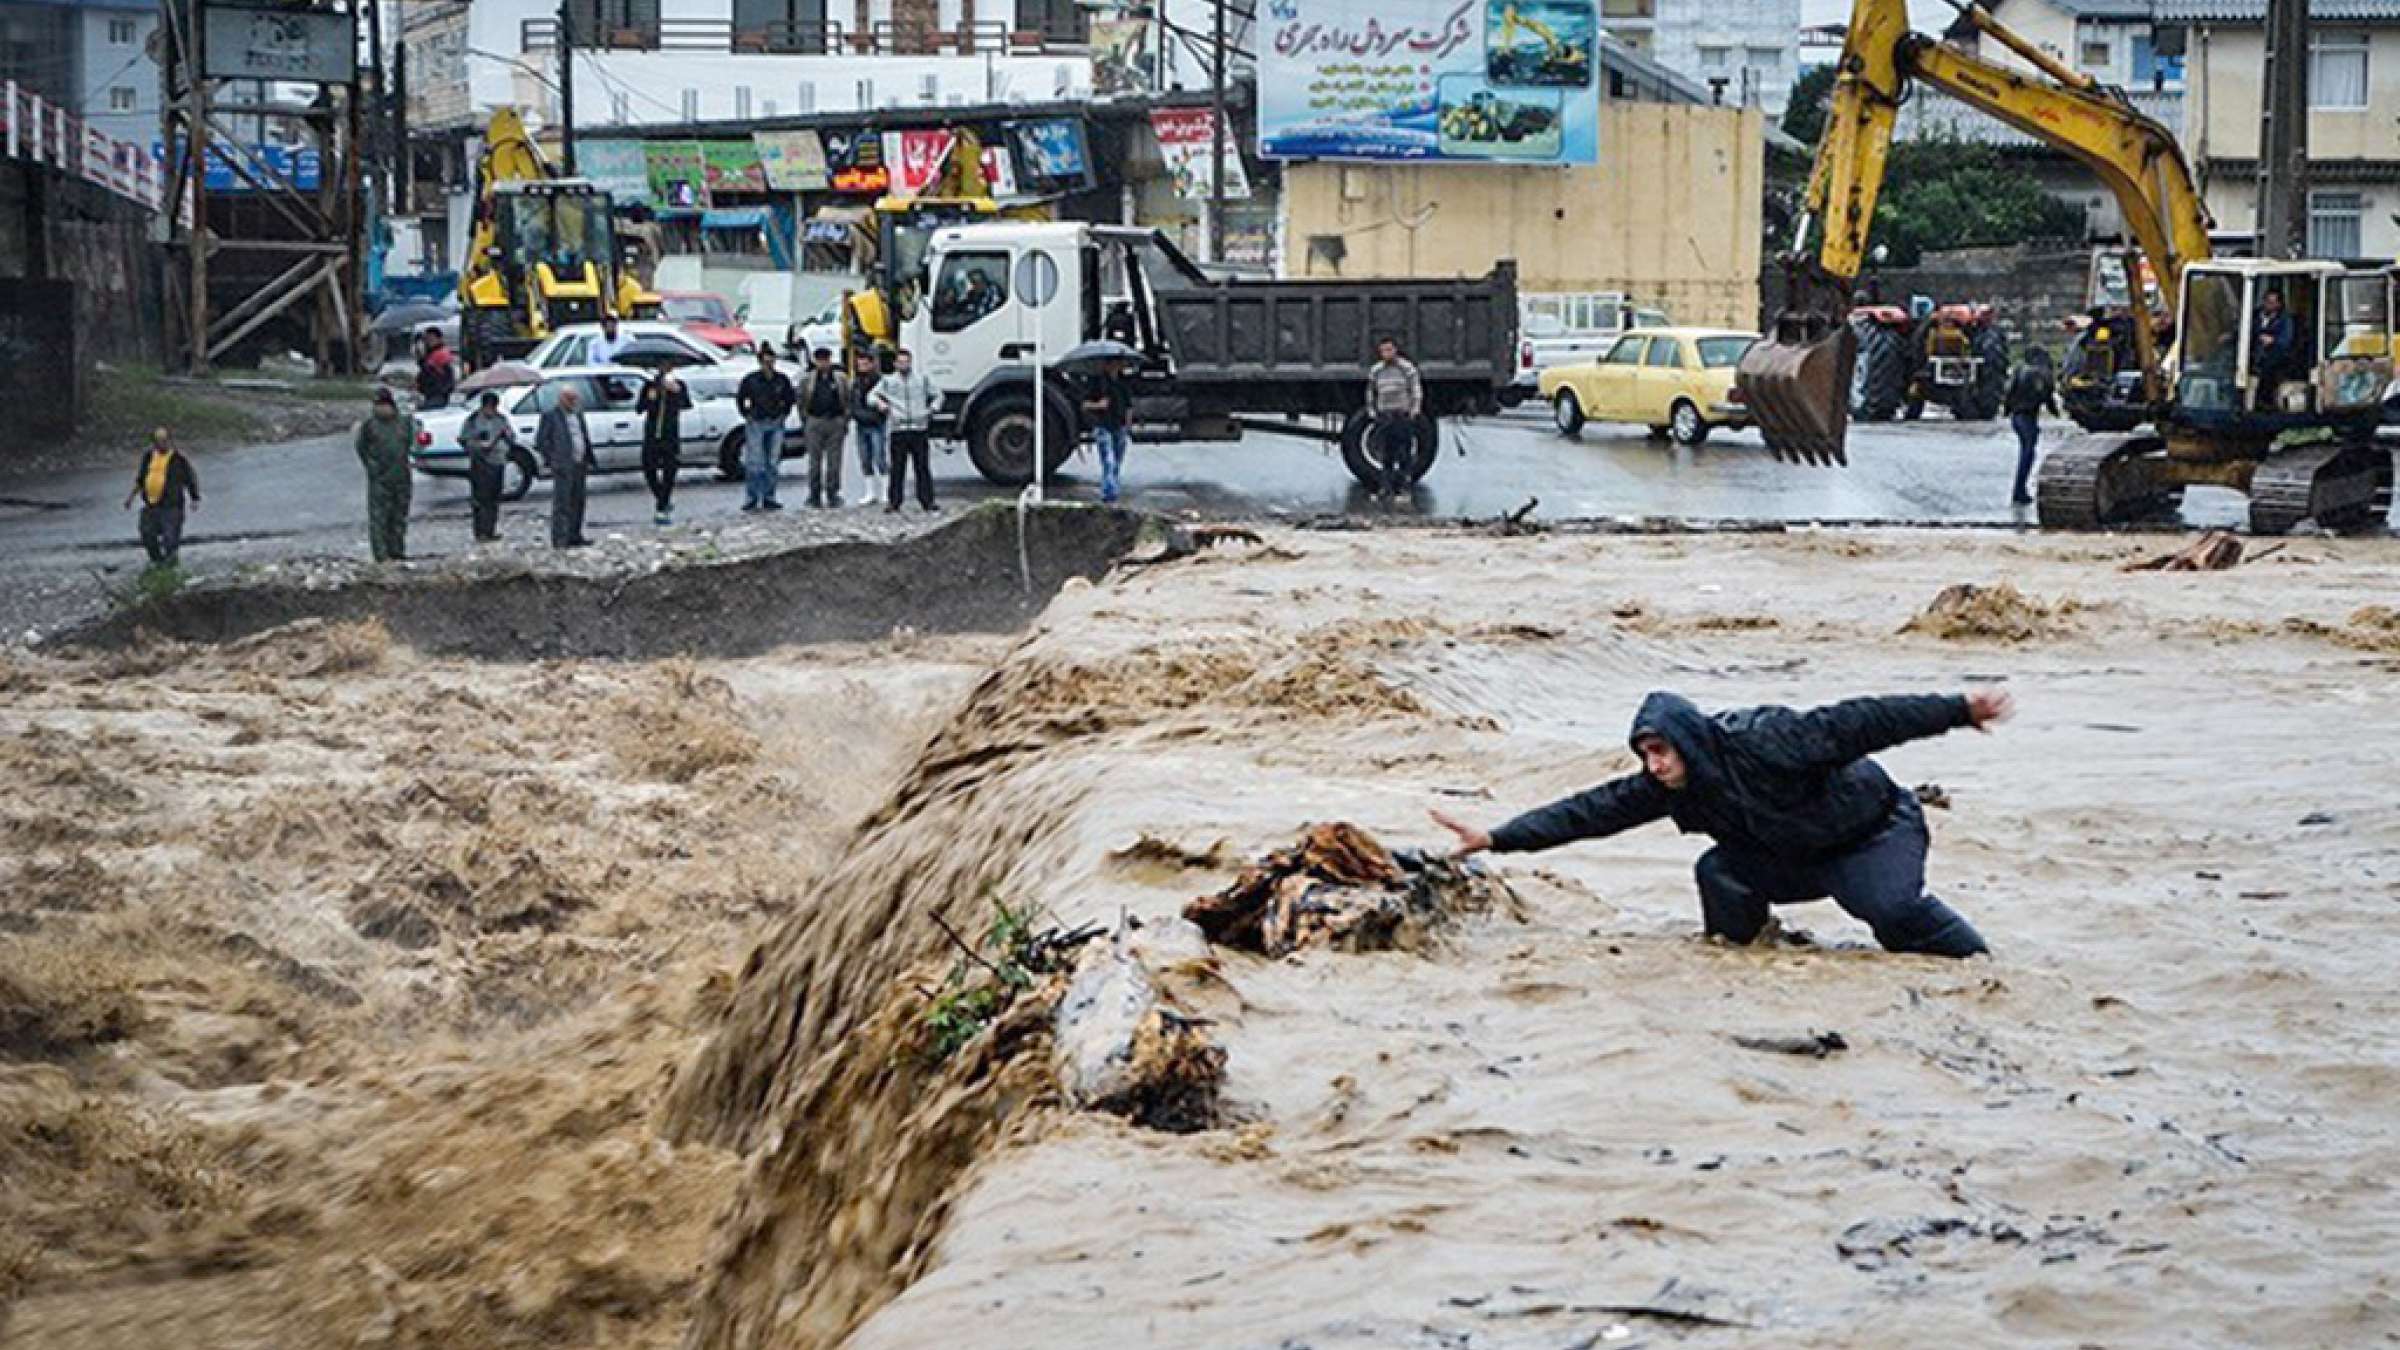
(545,252)
(959,195)
(2277,397)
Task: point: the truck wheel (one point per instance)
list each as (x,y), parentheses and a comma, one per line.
(1991,377)
(521,473)
(481,332)
(729,457)
(1688,428)
(1001,441)
(1568,411)
(1429,447)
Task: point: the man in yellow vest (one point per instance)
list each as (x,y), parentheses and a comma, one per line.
(166,486)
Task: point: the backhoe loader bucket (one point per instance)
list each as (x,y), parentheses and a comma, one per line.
(1796,382)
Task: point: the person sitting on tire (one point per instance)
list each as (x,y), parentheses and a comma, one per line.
(1395,398)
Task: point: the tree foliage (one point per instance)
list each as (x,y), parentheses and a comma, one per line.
(1942,192)
(1812,93)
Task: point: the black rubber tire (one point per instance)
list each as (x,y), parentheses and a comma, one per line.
(729,456)
(1689,428)
(1429,448)
(520,482)
(1566,411)
(1991,378)
(1001,438)
(481,332)
(1880,384)
(1365,471)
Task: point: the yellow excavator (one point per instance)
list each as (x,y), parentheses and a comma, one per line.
(544,253)
(2274,379)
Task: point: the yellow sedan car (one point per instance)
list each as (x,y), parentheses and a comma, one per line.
(1676,381)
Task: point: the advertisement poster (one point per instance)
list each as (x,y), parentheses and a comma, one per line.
(1051,156)
(732,166)
(794,160)
(1484,81)
(916,159)
(1122,59)
(1186,142)
(854,162)
(618,168)
(678,174)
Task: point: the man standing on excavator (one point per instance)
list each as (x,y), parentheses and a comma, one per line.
(1797,810)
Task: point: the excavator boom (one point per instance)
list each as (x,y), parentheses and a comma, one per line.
(1797,380)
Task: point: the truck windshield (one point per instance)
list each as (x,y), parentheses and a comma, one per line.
(2212,340)
(565,230)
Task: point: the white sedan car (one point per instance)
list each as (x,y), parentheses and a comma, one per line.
(571,345)
(712,429)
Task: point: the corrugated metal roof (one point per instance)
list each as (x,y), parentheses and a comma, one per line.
(2104,9)
(2255,11)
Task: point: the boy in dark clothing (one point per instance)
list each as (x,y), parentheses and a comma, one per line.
(2030,391)
(1797,810)
(437,373)
(166,486)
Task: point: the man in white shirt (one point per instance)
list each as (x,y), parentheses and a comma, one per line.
(610,344)
(907,400)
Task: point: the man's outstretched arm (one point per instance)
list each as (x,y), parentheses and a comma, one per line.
(1616,805)
(1857,727)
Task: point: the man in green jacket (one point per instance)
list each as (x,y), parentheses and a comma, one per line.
(384,441)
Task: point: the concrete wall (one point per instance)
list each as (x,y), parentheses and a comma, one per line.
(2033,291)
(1671,214)
(97,246)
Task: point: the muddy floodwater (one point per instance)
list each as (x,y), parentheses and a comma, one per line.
(355,996)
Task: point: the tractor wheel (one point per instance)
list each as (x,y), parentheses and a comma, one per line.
(1991,378)
(1879,383)
(482,332)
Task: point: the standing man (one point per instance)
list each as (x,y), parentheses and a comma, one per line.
(2275,348)
(906,399)
(488,439)
(662,404)
(165,485)
(1109,408)
(874,437)
(565,445)
(609,345)
(437,372)
(824,417)
(1395,398)
(764,399)
(2030,390)
(1797,810)
(384,441)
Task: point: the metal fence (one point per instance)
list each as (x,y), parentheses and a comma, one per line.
(882,38)
(42,132)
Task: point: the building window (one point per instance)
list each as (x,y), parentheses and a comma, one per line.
(122,98)
(620,109)
(929,87)
(741,101)
(866,94)
(121,32)
(1713,58)
(691,105)
(2152,70)
(1765,58)
(807,101)
(2094,53)
(2337,70)
(2333,221)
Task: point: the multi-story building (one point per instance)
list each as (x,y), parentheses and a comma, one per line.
(88,56)
(1741,51)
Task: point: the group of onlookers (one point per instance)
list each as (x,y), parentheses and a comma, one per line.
(889,413)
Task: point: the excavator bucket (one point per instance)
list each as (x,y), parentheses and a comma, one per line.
(1796,381)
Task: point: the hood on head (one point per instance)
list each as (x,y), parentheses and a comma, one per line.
(1681,724)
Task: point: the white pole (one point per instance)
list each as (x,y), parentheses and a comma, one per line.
(12,119)
(1041,447)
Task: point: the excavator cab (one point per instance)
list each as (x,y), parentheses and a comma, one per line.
(2256,353)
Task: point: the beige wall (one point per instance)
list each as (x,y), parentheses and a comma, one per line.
(1670,214)
(2223,98)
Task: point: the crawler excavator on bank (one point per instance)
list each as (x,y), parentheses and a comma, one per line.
(2291,424)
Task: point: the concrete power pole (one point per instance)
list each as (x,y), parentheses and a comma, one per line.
(2283,134)
(566,86)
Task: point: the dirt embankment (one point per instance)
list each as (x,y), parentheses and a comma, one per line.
(966,577)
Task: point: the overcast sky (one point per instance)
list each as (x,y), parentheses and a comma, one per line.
(1930,15)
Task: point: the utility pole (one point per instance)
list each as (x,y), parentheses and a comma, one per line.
(566,85)
(2283,134)
(1216,143)
(377,125)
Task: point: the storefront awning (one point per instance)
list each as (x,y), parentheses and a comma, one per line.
(734,218)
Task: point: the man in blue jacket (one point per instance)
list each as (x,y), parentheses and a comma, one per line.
(1797,810)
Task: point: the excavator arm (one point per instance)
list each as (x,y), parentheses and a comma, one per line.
(1797,381)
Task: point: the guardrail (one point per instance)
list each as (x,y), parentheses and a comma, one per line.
(882,38)
(41,132)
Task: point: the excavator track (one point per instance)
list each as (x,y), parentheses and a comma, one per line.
(2087,482)
(2339,485)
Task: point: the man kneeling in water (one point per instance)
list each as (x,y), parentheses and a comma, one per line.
(1797,810)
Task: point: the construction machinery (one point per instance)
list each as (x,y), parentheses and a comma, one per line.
(903,230)
(2100,383)
(1955,357)
(2278,398)
(545,252)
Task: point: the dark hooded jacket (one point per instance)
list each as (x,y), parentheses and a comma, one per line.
(1770,780)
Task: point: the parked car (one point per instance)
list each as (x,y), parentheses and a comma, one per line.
(571,344)
(1562,328)
(712,430)
(1676,381)
(708,316)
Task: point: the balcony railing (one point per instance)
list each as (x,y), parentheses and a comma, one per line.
(884,38)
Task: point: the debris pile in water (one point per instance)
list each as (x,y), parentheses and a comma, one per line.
(2003,613)
(1340,888)
(1118,1047)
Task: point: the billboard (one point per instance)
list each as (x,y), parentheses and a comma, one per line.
(732,166)
(619,168)
(284,43)
(678,174)
(794,160)
(1186,142)
(1476,81)
(1051,155)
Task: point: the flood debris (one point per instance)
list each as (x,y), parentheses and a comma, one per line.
(1874,1244)
(1809,1045)
(1118,1047)
(2215,551)
(1339,887)
(1932,795)
(2002,613)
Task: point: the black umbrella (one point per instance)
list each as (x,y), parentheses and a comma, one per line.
(655,354)
(408,318)
(1102,351)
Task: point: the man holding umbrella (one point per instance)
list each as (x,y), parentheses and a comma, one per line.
(1108,368)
